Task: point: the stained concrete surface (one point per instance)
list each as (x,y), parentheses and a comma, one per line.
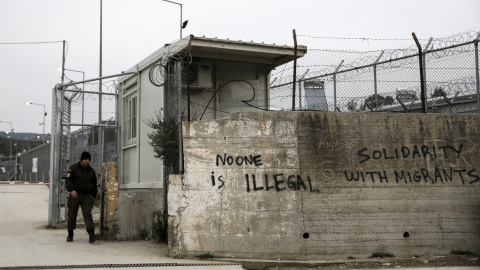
(26,241)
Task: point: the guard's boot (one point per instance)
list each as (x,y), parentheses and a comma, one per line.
(91,235)
(70,236)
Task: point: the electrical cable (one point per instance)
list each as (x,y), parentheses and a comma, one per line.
(221,87)
(27,43)
(157,74)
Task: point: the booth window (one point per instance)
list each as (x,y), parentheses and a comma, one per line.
(130,120)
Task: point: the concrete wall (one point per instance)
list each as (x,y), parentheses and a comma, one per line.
(314,185)
(136,213)
(127,214)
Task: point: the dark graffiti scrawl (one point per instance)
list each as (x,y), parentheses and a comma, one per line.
(279,182)
(266,182)
(411,152)
(426,175)
(437,175)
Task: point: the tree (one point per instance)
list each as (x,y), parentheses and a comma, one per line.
(164,140)
(376,100)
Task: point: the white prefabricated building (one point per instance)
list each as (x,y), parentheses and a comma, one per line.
(223,76)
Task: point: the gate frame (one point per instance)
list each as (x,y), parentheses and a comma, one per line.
(56,158)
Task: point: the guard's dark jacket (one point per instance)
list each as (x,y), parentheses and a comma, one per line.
(81,179)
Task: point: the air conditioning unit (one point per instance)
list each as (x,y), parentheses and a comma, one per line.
(200,75)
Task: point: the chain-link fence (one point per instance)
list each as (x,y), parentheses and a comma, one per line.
(85,116)
(326,80)
(384,80)
(90,122)
(88,101)
(209,98)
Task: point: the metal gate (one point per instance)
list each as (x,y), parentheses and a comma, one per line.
(84,118)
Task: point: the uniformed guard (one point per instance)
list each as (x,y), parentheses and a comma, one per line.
(81,182)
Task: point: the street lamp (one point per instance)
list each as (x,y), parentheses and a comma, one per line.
(182,24)
(44,114)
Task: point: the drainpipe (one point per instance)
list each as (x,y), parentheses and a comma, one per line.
(178,66)
(188,79)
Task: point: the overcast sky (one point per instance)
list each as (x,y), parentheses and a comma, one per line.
(134,29)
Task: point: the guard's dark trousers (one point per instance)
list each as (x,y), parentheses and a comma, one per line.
(85,202)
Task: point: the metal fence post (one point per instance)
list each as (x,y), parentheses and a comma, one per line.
(375,78)
(55,157)
(424,56)
(477,71)
(422,83)
(335,86)
(100,148)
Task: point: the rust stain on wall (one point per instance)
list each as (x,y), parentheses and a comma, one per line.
(110,199)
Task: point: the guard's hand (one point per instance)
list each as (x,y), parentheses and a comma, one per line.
(74,194)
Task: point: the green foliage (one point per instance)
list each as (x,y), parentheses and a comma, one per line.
(164,140)
(381,255)
(370,103)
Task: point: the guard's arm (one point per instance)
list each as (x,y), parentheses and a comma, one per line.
(93,180)
(69,183)
(69,180)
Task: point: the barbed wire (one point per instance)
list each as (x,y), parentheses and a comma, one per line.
(387,56)
(359,38)
(456,38)
(361,65)
(347,76)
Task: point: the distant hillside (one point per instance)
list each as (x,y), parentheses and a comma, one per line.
(16,146)
(25,136)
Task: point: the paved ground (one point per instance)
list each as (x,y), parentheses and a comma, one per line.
(26,243)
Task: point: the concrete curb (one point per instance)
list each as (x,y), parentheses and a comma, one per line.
(23,183)
(350,264)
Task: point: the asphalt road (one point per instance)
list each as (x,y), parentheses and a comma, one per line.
(25,241)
